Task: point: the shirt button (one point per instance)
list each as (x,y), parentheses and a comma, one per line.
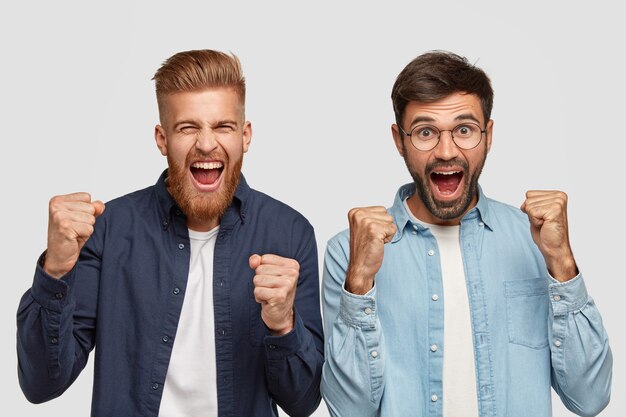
(367,311)
(178,212)
(181,246)
(557,343)
(155,386)
(374,354)
(435,297)
(434,398)
(414,232)
(58,295)
(54,340)
(414,227)
(165,339)
(481,224)
(165,223)
(176,291)
(431,252)
(557,298)
(433,348)
(272,347)
(222,332)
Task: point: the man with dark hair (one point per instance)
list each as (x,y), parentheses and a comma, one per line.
(450,303)
(200,294)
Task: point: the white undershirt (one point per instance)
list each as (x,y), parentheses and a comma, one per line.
(190,385)
(459,368)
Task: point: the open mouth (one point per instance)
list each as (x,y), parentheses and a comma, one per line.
(447,183)
(207,174)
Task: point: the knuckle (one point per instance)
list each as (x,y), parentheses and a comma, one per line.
(371,227)
(57,217)
(64,223)
(257,294)
(53,201)
(281,295)
(294,264)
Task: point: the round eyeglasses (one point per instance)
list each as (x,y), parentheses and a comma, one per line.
(426,137)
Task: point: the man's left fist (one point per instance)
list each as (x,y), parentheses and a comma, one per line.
(275,282)
(547,212)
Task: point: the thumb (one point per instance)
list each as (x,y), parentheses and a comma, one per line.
(523,207)
(254,261)
(99,206)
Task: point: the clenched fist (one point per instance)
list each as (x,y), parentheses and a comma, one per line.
(547,212)
(70,224)
(275,282)
(370,229)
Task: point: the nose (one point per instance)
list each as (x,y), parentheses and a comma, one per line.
(446,149)
(206,141)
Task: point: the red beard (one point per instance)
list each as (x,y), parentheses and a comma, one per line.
(200,206)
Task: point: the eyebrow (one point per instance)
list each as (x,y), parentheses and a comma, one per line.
(195,123)
(184,122)
(225,122)
(460,117)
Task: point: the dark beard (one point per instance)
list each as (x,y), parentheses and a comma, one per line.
(446,210)
(192,202)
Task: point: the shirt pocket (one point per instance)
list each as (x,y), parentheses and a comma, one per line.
(527,312)
(258,331)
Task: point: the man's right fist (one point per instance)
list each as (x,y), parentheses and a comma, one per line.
(70,223)
(370,229)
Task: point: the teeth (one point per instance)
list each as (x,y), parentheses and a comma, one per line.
(207,165)
(447,173)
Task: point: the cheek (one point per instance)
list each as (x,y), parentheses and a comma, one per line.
(234,149)
(417,162)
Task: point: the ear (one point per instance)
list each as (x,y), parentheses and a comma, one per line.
(161,140)
(489,133)
(247,136)
(398,138)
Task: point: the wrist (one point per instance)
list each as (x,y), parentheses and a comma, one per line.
(52,269)
(358,283)
(282,328)
(562,268)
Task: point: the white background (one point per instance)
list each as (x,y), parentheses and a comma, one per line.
(78,110)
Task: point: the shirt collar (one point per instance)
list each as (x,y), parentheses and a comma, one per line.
(167,204)
(402,217)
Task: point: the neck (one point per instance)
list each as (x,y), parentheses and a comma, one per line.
(202,225)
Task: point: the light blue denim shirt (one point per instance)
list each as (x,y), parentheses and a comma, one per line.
(530,331)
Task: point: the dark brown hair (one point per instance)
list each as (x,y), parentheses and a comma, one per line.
(437,74)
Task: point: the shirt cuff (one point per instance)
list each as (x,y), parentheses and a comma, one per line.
(358,310)
(279,347)
(51,293)
(567,297)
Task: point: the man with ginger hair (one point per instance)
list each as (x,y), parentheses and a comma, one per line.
(450,303)
(200,293)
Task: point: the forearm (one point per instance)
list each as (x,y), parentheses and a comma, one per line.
(352,379)
(581,356)
(49,357)
(294,367)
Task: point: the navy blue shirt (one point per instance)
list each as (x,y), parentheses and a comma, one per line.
(125,294)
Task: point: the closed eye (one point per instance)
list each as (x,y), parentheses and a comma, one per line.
(188,129)
(224,128)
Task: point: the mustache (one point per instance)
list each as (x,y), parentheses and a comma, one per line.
(456,162)
(194,155)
